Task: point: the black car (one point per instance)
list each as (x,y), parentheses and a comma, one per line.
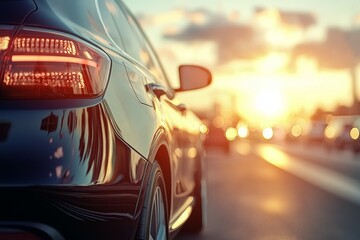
(94,143)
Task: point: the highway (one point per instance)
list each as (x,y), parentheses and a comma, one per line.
(265,191)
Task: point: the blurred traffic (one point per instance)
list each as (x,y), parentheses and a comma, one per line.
(335,132)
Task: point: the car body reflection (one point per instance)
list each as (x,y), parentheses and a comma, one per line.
(79,150)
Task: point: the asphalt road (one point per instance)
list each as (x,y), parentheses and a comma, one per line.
(287,192)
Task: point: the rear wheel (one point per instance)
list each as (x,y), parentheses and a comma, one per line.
(153,221)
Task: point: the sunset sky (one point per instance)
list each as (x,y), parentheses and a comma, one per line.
(254,50)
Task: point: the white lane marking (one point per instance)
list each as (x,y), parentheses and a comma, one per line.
(336,183)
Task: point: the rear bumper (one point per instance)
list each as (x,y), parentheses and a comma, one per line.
(92,212)
(28,231)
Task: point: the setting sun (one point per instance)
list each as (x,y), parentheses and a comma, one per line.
(269,104)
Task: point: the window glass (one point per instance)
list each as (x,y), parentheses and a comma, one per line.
(148,56)
(119,29)
(108,11)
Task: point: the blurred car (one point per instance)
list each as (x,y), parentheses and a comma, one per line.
(91,133)
(338,132)
(216,138)
(316,132)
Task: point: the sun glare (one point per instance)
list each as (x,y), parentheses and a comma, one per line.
(270,104)
(285,36)
(272,62)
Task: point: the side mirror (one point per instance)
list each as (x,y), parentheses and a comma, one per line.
(193,77)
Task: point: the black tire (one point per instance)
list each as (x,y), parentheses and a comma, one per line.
(154,218)
(197,219)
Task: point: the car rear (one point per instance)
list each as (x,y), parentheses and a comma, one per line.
(64,170)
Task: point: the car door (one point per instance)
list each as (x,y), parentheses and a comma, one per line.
(171,116)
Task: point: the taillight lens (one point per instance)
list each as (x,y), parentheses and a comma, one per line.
(5,36)
(47,64)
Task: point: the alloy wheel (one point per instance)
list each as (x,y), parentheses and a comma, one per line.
(157,222)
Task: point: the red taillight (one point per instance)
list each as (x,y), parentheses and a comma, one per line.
(46,64)
(5,36)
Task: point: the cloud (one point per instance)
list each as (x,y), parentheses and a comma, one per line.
(272,27)
(233,40)
(176,16)
(212,32)
(283,29)
(340,49)
(301,20)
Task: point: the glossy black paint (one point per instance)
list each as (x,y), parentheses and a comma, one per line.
(79,167)
(75,147)
(23,9)
(80,172)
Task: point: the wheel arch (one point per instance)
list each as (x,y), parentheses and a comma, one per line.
(161,153)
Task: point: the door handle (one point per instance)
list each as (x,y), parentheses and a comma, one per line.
(157,89)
